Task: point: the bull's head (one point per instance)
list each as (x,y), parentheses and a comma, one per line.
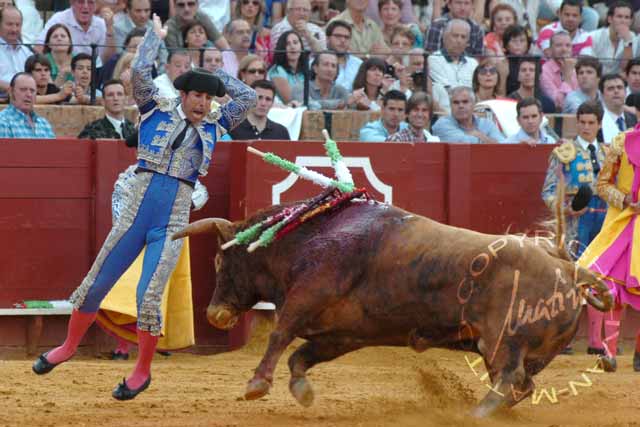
(232,295)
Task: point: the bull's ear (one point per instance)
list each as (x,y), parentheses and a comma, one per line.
(221,227)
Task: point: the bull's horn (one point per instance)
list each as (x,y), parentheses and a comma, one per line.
(602,299)
(220,226)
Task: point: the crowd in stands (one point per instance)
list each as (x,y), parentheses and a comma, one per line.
(423,68)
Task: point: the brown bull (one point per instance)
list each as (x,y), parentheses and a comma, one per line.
(375,275)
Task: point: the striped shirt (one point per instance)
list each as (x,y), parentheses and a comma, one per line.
(14,124)
(581,43)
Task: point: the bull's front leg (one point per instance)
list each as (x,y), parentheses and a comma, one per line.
(302,305)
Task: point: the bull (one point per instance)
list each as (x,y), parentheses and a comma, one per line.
(371,274)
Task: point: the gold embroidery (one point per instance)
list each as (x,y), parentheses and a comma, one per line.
(566,152)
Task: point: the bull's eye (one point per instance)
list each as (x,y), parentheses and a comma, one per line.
(218,263)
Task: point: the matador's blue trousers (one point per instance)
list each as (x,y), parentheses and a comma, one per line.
(157,207)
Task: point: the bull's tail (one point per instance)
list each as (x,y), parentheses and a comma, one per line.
(594,290)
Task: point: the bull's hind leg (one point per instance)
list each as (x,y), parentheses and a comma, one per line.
(310,354)
(510,381)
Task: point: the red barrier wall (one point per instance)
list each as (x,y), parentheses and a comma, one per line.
(55,200)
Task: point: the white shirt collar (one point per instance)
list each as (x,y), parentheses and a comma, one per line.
(585,144)
(612,114)
(117,124)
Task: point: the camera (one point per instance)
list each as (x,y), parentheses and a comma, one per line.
(389,70)
(418,79)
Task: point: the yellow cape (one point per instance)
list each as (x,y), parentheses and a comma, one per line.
(119,307)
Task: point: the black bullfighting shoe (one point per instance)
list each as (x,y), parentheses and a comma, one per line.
(609,364)
(593,350)
(636,361)
(42,366)
(123,392)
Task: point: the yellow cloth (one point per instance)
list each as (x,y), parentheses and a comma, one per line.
(119,306)
(614,223)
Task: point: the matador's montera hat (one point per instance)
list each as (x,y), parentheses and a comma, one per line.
(200,80)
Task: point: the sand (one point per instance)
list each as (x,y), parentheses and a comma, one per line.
(371,387)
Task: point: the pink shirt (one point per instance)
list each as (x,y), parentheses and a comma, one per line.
(552,84)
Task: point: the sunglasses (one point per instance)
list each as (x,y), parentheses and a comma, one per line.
(487,70)
(186,4)
(253,2)
(255,70)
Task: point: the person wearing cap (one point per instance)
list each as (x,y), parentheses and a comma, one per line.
(580,161)
(175,146)
(613,254)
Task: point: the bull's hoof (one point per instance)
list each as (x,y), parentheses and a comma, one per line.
(416,342)
(302,391)
(257,388)
(608,364)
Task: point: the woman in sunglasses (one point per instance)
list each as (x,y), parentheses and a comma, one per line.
(253,12)
(486,82)
(252,68)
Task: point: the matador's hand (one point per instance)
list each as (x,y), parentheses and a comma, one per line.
(158,28)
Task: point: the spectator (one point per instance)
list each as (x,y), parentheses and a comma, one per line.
(324,93)
(503,16)
(528,84)
(458,10)
(32,22)
(551,10)
(297,19)
(419,111)
(632,72)
(187,12)
(257,125)
(18,120)
(517,43)
(195,40)
(559,74)
(407,16)
(238,34)
(286,71)
(81,70)
(122,73)
(13,54)
(113,125)
(212,59)
(85,28)
(134,38)
(136,16)
(58,48)
(339,39)
(390,15)
(485,82)
(530,116)
(367,86)
(251,69)
(616,43)
(588,71)
(391,118)
(365,33)
(462,125)
(252,11)
(46,93)
(401,42)
(179,62)
(615,119)
(570,17)
(450,66)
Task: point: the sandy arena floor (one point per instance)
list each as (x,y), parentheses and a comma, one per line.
(371,387)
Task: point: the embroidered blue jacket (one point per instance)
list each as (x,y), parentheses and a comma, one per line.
(160,120)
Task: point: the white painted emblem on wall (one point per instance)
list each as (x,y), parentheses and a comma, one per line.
(321,161)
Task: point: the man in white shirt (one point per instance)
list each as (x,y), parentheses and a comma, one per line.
(615,119)
(12,54)
(339,39)
(179,62)
(219,11)
(450,67)
(530,116)
(616,43)
(297,19)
